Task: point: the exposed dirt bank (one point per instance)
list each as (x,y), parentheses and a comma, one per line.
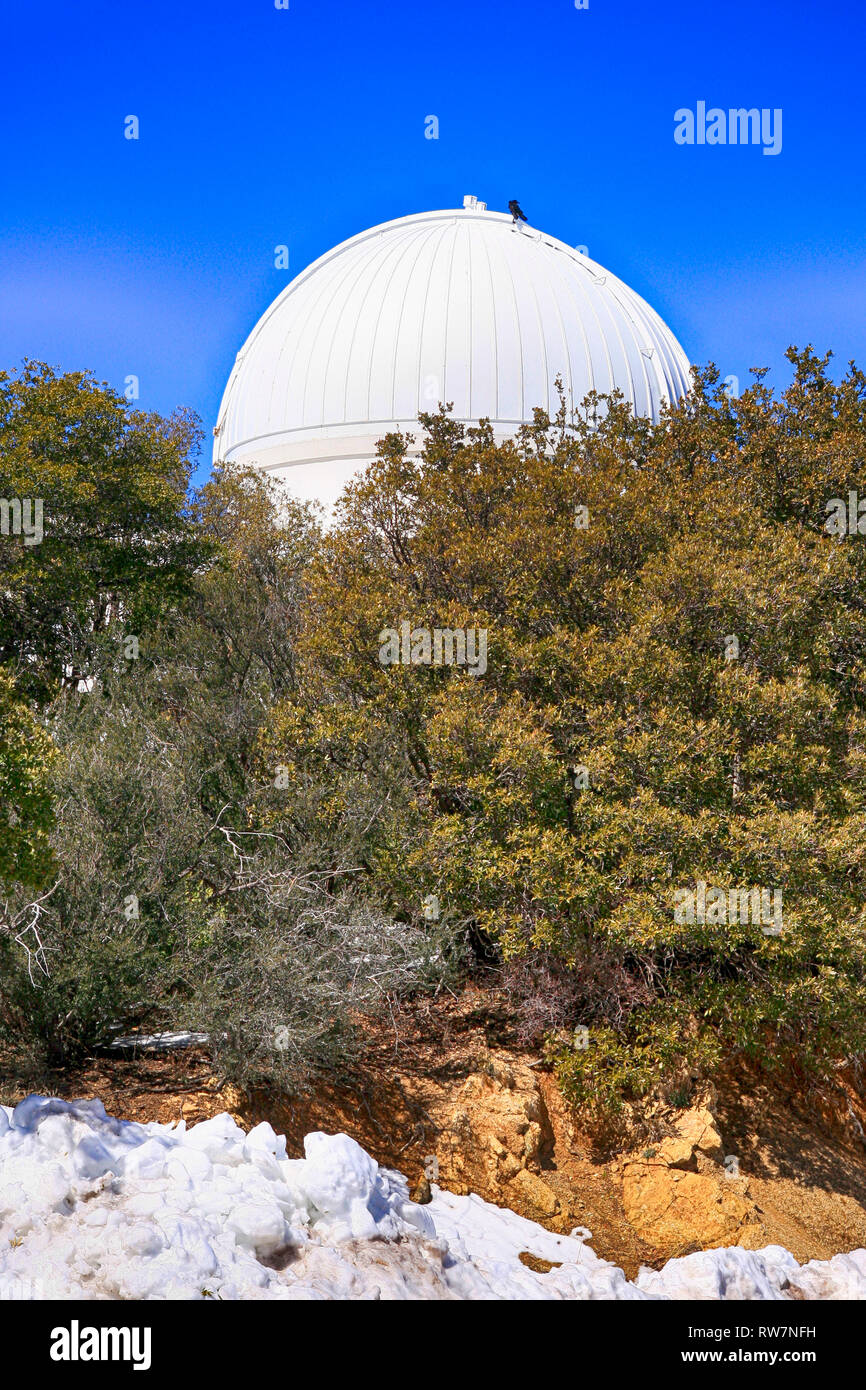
(444,1093)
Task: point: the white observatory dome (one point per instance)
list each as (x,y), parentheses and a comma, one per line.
(463,306)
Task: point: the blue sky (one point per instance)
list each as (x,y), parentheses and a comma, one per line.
(261,127)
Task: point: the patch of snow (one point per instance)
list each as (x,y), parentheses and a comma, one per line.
(157,1042)
(96,1207)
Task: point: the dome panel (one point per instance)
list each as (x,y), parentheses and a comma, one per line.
(509,348)
(461,305)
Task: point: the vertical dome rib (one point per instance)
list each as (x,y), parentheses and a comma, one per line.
(509,351)
(494,342)
(552,278)
(424,335)
(572,286)
(448,303)
(543,334)
(519,412)
(418,244)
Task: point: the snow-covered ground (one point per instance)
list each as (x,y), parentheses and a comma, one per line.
(95,1207)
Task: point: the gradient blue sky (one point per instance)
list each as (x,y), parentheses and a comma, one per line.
(261,126)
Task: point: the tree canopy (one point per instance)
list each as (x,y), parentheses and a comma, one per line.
(674,695)
(26,806)
(117,544)
(642,813)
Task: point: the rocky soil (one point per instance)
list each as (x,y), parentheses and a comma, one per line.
(444,1098)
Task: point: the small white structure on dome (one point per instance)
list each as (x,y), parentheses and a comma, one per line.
(462,306)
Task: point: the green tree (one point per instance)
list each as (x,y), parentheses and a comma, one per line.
(620,746)
(190,891)
(117,545)
(26,812)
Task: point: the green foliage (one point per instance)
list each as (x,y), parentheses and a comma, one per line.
(118,545)
(283,807)
(607,649)
(26,754)
(631,1062)
(188,893)
(125,837)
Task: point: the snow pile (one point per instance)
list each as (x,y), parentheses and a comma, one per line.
(95,1207)
(156,1042)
